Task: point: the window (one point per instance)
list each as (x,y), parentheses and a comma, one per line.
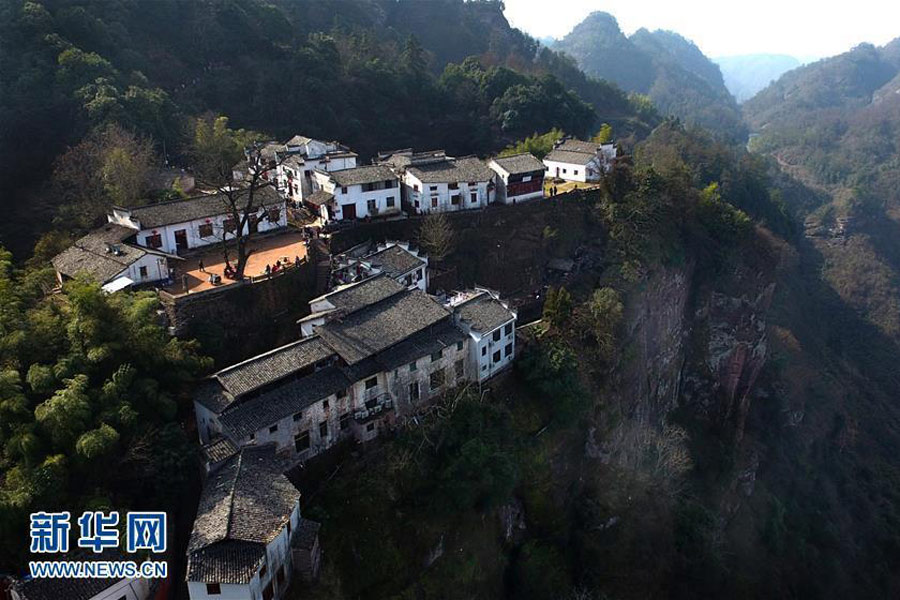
(252,436)
(416,187)
(433,188)
(434,203)
(460,368)
(508,329)
(154,241)
(273,428)
(437,355)
(325,404)
(213,589)
(371,382)
(437,379)
(413,366)
(574,171)
(343,189)
(474,197)
(472,184)
(274,214)
(301,441)
(389,202)
(496,336)
(390,183)
(370,427)
(263,569)
(459,346)
(323,430)
(230,225)
(342,394)
(371,206)
(508,350)
(143,272)
(454,186)
(454,200)
(345,421)
(205,230)
(484,350)
(298,416)
(496,356)
(414,391)
(564,170)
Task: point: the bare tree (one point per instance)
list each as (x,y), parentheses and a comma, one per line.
(217,149)
(436,236)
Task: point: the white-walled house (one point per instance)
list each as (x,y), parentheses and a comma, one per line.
(109,256)
(302,156)
(519,178)
(576,160)
(249,514)
(435,182)
(402,263)
(180,225)
(491,325)
(374,351)
(357,193)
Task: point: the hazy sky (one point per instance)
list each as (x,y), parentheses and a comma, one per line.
(803,28)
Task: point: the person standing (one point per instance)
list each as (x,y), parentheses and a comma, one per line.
(202,267)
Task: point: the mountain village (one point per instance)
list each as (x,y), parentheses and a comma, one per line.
(375,349)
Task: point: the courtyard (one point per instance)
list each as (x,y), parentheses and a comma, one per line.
(285,247)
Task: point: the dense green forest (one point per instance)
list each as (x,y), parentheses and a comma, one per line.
(71,68)
(671,70)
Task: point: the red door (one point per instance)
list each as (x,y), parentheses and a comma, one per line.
(349,211)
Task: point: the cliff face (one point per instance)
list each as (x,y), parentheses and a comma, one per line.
(692,345)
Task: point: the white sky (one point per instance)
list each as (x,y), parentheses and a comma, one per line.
(802,28)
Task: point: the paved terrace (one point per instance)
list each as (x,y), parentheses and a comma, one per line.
(267,250)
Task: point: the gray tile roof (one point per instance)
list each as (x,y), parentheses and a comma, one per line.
(360,175)
(228,561)
(319,198)
(218,450)
(424,343)
(519,163)
(452,171)
(244,505)
(271,366)
(372,329)
(250,416)
(395,260)
(483,313)
(211,395)
(580,146)
(90,254)
(244,418)
(572,158)
(210,205)
(358,295)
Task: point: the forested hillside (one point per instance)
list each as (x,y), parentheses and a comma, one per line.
(671,70)
(835,124)
(371,75)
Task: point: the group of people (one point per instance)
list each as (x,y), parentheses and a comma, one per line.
(279,266)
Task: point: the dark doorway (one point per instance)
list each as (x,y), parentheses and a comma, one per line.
(181,242)
(349,211)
